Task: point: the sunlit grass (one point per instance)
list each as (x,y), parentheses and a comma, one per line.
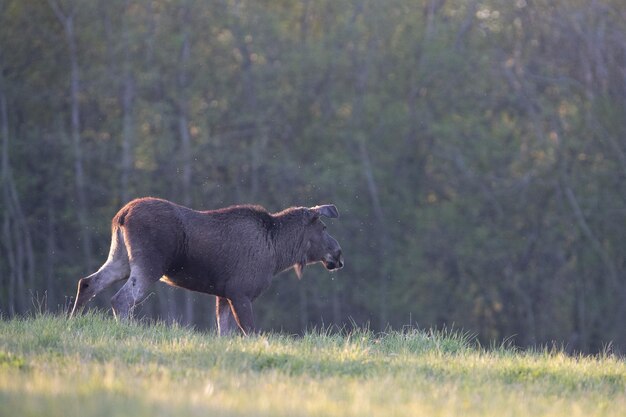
(92,366)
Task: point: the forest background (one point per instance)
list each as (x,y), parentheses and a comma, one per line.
(476,151)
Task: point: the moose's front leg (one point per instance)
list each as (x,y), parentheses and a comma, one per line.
(242,310)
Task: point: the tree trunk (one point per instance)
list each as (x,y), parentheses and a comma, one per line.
(127,136)
(384,247)
(251,107)
(51,249)
(16,234)
(183,110)
(303,301)
(7,240)
(128,95)
(67,20)
(362,70)
(76,143)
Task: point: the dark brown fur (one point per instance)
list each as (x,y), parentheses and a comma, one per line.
(232,253)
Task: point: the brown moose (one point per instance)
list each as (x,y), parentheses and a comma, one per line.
(232,253)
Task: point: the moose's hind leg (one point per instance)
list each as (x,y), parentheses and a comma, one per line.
(133,292)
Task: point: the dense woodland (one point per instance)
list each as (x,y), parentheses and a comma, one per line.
(476,151)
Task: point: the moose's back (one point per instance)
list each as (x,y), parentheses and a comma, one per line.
(221,246)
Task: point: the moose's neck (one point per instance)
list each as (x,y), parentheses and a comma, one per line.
(288,240)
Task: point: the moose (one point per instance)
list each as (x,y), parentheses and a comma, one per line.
(231,253)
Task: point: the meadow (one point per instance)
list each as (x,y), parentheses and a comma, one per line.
(93,366)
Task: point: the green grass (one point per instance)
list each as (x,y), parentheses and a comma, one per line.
(93,366)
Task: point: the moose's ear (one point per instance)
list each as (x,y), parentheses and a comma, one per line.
(327,210)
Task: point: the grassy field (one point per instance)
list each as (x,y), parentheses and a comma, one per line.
(93,366)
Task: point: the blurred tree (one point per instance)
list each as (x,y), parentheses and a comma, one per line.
(475,151)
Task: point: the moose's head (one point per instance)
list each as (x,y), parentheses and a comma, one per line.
(319,245)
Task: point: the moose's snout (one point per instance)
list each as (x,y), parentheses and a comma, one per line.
(333,262)
(339,258)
